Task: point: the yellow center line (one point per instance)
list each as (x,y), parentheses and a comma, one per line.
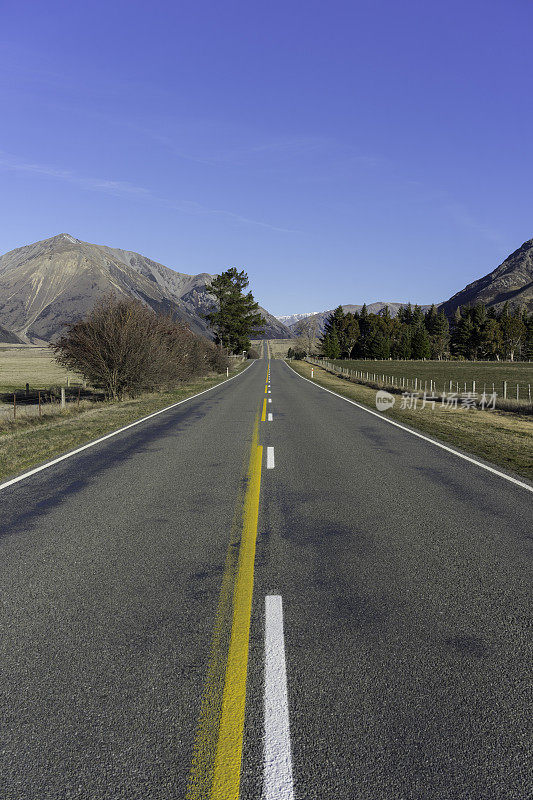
(227,773)
(263,412)
(217,753)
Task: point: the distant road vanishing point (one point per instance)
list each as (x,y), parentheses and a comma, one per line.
(267,593)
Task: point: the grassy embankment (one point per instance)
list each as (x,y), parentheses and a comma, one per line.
(501,438)
(30,441)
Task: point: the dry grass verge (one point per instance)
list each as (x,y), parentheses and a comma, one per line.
(503,439)
(30,441)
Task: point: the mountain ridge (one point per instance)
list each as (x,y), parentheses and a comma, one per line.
(55,281)
(372,308)
(511,281)
(46,284)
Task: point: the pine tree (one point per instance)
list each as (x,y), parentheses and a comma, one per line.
(334,342)
(348,334)
(237,316)
(420,344)
(330,347)
(440,336)
(417,318)
(462,335)
(378,345)
(402,346)
(430,320)
(528,344)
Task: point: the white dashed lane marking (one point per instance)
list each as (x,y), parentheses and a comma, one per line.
(277,771)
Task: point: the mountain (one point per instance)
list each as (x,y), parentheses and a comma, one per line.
(49,283)
(512,281)
(372,308)
(8,337)
(291,319)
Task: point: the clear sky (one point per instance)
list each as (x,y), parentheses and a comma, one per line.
(341,152)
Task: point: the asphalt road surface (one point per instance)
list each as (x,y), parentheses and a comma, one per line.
(385,653)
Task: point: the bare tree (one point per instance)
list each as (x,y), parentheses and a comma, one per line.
(307,331)
(125,347)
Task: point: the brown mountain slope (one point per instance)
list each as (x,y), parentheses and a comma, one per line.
(512,281)
(8,337)
(49,283)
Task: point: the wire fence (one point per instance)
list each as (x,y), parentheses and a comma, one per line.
(505,393)
(28,402)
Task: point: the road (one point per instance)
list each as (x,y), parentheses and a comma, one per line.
(398,580)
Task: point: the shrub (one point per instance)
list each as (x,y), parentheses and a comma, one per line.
(125,347)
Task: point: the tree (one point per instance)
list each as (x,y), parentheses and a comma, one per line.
(430,320)
(378,345)
(417,318)
(330,343)
(405,314)
(462,334)
(125,347)
(307,332)
(420,344)
(439,336)
(348,334)
(528,339)
(513,332)
(237,316)
(490,340)
(402,343)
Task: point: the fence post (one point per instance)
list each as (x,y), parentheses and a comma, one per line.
(40,411)
(473,387)
(63,402)
(517,392)
(529,392)
(505,390)
(14,406)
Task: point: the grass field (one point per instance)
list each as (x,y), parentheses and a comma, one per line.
(29,364)
(30,441)
(459,372)
(278,347)
(501,438)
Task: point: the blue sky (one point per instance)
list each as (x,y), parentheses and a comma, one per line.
(340,151)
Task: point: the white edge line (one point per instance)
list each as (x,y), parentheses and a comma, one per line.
(419,435)
(277,768)
(114,433)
